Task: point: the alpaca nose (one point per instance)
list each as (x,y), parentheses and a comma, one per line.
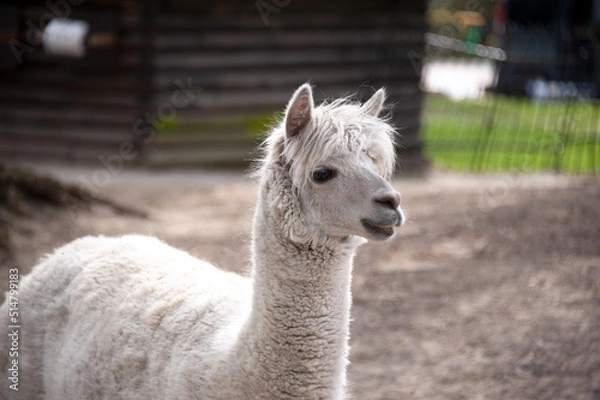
(391,199)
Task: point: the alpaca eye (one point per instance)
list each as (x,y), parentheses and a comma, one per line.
(322,174)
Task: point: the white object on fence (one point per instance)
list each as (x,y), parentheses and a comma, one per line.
(459,79)
(65,37)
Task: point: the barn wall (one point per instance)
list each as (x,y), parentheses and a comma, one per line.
(217,72)
(72,109)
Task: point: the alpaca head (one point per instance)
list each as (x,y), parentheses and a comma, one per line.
(336,159)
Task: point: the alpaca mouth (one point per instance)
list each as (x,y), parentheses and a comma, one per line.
(378,231)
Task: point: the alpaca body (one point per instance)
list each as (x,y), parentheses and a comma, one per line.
(133,318)
(110,332)
(199,317)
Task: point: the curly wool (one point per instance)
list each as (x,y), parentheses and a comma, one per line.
(133,318)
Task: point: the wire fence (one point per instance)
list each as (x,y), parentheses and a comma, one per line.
(501,133)
(543,113)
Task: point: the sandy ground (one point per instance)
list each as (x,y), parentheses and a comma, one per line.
(490,291)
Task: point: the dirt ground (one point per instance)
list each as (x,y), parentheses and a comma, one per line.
(490,291)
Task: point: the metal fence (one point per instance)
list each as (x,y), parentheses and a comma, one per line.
(501,133)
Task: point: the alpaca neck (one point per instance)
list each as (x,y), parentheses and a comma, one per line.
(295,342)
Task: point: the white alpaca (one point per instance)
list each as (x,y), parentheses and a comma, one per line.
(133,318)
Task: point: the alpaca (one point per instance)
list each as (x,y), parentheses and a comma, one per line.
(133,318)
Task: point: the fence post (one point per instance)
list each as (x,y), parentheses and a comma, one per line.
(561,143)
(484,137)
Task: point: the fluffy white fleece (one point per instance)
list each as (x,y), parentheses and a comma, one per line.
(133,318)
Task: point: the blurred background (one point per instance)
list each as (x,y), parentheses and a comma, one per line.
(519,81)
(139,116)
(477,84)
(194,83)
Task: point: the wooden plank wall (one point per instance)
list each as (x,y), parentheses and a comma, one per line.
(74,110)
(218,70)
(240,62)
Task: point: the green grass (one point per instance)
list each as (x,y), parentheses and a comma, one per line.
(502,134)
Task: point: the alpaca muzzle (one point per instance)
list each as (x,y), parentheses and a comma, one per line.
(382,228)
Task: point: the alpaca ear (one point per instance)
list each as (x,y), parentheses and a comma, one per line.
(299,111)
(374,105)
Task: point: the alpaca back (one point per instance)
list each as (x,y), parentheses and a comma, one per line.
(118,317)
(40,303)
